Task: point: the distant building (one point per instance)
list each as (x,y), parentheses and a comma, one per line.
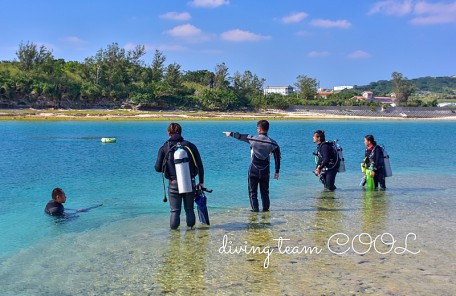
(342,87)
(369,96)
(324,93)
(446,104)
(283,90)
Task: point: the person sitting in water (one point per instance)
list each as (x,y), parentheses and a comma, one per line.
(55,206)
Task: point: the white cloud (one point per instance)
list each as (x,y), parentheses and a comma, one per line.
(74,40)
(359,54)
(434,13)
(239,36)
(130,46)
(49,46)
(392,7)
(209,3)
(343,24)
(317,54)
(172,15)
(188,32)
(153,47)
(165,47)
(422,12)
(294,18)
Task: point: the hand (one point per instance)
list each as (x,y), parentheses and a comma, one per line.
(372,174)
(227,133)
(317,172)
(276,176)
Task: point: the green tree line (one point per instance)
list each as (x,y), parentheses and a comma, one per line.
(115,77)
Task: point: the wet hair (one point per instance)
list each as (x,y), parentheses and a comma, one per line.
(321,135)
(263,124)
(370,138)
(174,128)
(57,192)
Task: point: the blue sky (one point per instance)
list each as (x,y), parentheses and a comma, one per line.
(336,42)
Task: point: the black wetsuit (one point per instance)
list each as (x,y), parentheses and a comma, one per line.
(375,161)
(261,147)
(54,208)
(327,162)
(165,164)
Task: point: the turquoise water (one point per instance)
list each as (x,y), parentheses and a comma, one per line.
(125,247)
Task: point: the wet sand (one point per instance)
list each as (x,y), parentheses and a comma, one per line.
(122,114)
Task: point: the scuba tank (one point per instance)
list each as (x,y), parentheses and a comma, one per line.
(181,162)
(340,157)
(388,172)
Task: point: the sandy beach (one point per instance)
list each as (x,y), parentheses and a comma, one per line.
(272,114)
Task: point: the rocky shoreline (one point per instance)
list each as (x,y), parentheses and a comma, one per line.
(293,113)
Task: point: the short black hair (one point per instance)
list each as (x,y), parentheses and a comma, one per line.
(57,192)
(263,124)
(321,135)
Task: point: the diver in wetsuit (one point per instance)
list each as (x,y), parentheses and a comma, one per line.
(55,206)
(261,147)
(374,160)
(165,164)
(327,163)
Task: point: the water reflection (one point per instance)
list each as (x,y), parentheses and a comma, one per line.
(328,216)
(184,264)
(259,233)
(374,214)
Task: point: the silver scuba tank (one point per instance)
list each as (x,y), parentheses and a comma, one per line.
(341,168)
(388,172)
(184,179)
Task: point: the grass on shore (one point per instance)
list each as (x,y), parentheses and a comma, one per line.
(122,114)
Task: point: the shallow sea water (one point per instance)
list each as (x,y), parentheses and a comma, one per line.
(126,248)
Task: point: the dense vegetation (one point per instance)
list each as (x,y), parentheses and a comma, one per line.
(430,88)
(115,78)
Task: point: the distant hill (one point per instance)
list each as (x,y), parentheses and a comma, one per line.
(425,85)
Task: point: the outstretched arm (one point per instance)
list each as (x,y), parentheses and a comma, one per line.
(236,135)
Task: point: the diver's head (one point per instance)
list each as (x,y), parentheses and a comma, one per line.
(59,195)
(174,128)
(369,140)
(263,126)
(319,136)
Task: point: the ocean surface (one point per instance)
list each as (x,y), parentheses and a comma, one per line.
(351,242)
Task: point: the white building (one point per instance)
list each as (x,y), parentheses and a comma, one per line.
(283,90)
(446,104)
(342,87)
